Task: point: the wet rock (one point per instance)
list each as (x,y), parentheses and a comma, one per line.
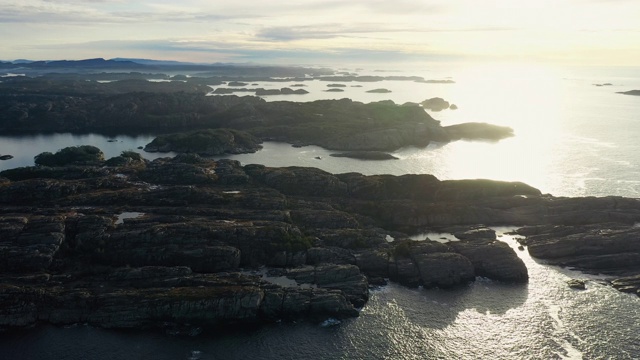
(577,284)
(481,233)
(630,284)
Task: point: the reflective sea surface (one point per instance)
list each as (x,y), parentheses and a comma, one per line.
(543,319)
(572,138)
(23,148)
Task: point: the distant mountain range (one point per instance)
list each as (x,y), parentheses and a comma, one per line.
(86,63)
(41,67)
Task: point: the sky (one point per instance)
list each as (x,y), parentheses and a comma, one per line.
(585,32)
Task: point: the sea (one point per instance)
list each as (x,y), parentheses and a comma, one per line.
(574,135)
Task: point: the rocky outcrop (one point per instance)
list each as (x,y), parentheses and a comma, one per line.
(604,248)
(478,131)
(435,104)
(379,91)
(430,264)
(225,91)
(206,142)
(630,284)
(492,259)
(134,301)
(366,155)
(172,240)
(577,284)
(346,278)
(630,92)
(282,91)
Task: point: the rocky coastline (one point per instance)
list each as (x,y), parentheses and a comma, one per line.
(194,242)
(191,242)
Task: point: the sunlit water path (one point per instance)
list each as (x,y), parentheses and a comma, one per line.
(572,139)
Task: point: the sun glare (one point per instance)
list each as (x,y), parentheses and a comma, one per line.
(493,93)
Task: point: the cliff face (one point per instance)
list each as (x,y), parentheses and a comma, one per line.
(178,241)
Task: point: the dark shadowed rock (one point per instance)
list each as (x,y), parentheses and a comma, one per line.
(492,259)
(577,284)
(283,91)
(444,269)
(140,245)
(478,131)
(630,92)
(436,81)
(602,249)
(629,284)
(366,155)
(206,142)
(435,104)
(379,91)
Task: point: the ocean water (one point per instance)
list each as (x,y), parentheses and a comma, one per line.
(24,148)
(572,138)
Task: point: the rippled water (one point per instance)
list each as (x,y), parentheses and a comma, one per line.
(543,319)
(572,138)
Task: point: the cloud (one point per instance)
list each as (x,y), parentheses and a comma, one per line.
(222,51)
(326,31)
(250,29)
(94,12)
(333,30)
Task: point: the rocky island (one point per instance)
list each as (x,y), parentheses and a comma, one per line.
(437,104)
(631,92)
(379,91)
(137,106)
(366,155)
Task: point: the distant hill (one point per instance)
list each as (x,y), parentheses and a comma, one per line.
(124,65)
(155,62)
(87,63)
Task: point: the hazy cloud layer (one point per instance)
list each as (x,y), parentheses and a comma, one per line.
(225,30)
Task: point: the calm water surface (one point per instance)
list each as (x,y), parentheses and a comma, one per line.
(572,139)
(25,147)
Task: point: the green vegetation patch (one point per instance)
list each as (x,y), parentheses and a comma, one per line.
(77,155)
